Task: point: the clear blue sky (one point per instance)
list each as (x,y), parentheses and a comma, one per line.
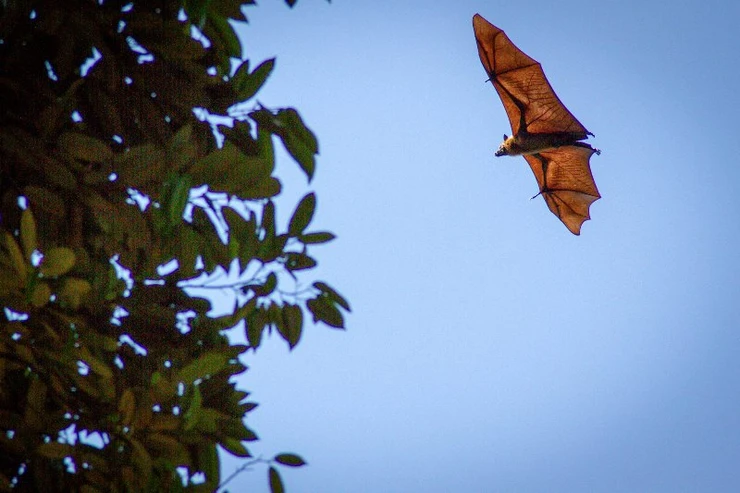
(489,349)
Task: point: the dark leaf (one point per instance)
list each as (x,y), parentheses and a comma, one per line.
(291,460)
(332,294)
(290,329)
(248,84)
(321,237)
(299,140)
(268,287)
(218,25)
(256,321)
(323,310)
(276,484)
(298,261)
(303,214)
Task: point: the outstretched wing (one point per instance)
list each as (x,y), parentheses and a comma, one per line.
(530,102)
(566,183)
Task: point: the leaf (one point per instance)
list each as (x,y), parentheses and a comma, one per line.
(276,484)
(44,200)
(192,415)
(55,450)
(321,237)
(235,428)
(209,364)
(208,421)
(167,422)
(179,199)
(223,29)
(268,287)
(255,321)
(291,460)
(298,261)
(28,233)
(16,256)
(168,447)
(84,147)
(303,214)
(235,447)
(141,164)
(196,11)
(300,142)
(324,310)
(249,84)
(127,407)
(57,261)
(74,291)
(98,367)
(209,464)
(332,294)
(142,461)
(41,295)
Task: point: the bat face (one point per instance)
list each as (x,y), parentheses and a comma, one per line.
(544,131)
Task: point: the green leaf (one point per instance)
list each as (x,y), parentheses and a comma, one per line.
(291,460)
(55,450)
(219,25)
(291,324)
(57,261)
(41,295)
(209,464)
(298,261)
(332,294)
(303,214)
(276,484)
(235,447)
(140,164)
(16,256)
(84,147)
(181,151)
(28,233)
(323,310)
(300,142)
(209,364)
(192,415)
(248,84)
(256,321)
(267,287)
(196,11)
(321,237)
(179,199)
(73,291)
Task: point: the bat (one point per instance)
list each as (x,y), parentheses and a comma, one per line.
(543,130)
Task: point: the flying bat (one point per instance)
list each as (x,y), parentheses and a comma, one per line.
(543,130)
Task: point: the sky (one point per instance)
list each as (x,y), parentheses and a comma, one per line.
(489,349)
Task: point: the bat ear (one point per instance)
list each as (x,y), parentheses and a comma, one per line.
(506,136)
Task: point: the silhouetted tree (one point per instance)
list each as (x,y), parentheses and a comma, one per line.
(121,190)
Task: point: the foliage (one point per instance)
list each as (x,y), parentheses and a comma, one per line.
(118,199)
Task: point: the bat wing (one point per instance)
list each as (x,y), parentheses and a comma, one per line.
(531,104)
(566,183)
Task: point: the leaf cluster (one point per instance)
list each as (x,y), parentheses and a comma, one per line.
(112,377)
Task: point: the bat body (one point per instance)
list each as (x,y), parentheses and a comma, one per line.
(544,131)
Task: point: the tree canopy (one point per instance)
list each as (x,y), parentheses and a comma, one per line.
(135,163)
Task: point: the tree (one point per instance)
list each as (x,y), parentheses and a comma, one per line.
(118,197)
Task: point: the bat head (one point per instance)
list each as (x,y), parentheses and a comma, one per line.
(503,149)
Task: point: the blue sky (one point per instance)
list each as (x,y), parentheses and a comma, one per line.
(489,349)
